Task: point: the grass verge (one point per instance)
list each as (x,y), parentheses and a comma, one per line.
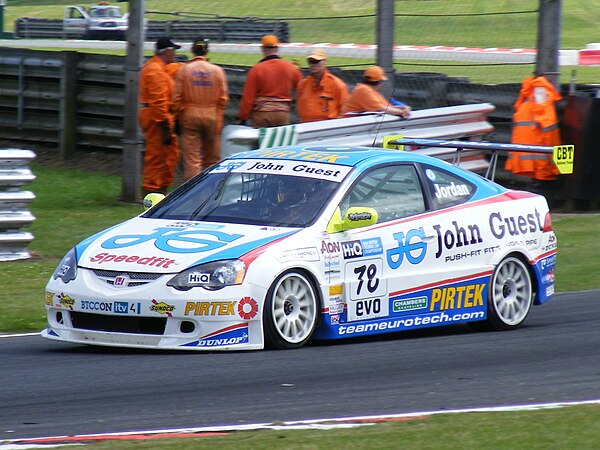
(566,428)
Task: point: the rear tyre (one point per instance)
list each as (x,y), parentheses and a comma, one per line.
(510,296)
(290,311)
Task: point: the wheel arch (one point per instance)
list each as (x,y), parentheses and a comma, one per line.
(522,255)
(317,285)
(535,282)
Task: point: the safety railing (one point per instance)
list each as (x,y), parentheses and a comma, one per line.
(14,203)
(246,30)
(452,122)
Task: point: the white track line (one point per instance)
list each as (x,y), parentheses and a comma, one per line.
(340,422)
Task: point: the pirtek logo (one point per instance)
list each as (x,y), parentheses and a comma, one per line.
(210,308)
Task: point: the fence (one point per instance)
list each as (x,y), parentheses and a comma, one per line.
(243,30)
(75,101)
(14,202)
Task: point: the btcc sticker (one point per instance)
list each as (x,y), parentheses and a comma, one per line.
(111,307)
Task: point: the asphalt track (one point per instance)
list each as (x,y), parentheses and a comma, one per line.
(50,388)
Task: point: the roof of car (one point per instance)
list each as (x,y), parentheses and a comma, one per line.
(344,155)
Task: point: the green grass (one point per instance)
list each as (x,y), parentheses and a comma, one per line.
(579,27)
(69,206)
(555,429)
(579,19)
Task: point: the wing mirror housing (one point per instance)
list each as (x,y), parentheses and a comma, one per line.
(356,217)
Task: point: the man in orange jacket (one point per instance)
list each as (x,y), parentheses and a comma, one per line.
(199,100)
(157,121)
(321,94)
(535,122)
(366,97)
(267,95)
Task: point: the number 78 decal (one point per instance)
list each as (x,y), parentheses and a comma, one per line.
(365,279)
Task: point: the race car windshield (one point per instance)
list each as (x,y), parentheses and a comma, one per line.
(248,198)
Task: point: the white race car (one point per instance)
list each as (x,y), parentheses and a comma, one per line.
(272,248)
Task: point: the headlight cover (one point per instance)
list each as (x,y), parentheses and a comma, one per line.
(211,276)
(67,268)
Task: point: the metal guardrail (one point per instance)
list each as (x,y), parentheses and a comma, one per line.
(75,101)
(452,122)
(14,203)
(248,30)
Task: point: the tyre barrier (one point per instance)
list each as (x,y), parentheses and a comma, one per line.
(14,203)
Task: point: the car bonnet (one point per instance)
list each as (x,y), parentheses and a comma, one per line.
(169,246)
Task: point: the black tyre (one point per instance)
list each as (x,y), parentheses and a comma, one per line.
(290,311)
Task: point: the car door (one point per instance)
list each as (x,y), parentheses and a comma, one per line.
(380,259)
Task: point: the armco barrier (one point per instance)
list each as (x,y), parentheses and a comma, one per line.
(453,122)
(75,101)
(245,30)
(14,203)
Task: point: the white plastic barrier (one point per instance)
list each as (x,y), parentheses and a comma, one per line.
(452,122)
(14,203)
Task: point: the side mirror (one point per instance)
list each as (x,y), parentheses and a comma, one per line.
(152,199)
(356,217)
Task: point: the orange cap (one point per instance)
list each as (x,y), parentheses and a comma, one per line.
(317,55)
(374,73)
(270,40)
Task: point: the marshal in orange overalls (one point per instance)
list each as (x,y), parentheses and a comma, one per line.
(535,123)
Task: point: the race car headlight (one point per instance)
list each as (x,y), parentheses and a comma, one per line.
(211,276)
(67,268)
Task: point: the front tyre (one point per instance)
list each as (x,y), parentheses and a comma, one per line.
(511,295)
(290,311)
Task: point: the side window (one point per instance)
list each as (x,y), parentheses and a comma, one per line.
(446,189)
(394,191)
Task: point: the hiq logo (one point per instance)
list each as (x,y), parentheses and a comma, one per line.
(412,246)
(198,278)
(366,247)
(352,249)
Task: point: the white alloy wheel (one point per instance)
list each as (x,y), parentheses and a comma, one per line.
(290,312)
(511,294)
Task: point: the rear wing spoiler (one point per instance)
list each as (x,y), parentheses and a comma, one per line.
(562,155)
